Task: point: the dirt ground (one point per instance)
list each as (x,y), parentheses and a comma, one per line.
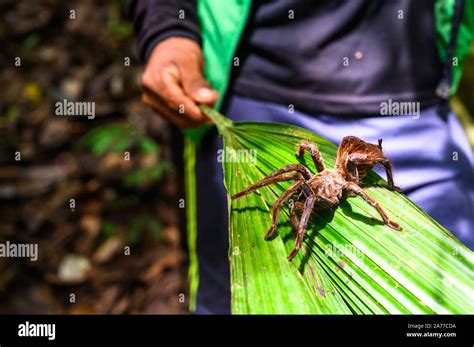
(98,196)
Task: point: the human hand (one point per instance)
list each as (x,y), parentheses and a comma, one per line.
(173,83)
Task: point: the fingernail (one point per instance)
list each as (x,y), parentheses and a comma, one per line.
(205,93)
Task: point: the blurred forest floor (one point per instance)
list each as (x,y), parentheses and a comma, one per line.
(116,168)
(47,160)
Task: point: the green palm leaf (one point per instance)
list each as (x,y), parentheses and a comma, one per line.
(351,262)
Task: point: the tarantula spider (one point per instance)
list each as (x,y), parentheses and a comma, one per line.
(328,187)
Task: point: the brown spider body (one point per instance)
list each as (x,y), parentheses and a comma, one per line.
(328,186)
(326,189)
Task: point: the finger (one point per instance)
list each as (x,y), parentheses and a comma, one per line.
(178,110)
(168,88)
(161,108)
(175,96)
(164,83)
(162,112)
(195,85)
(198,89)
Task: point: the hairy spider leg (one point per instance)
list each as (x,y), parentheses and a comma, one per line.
(273,178)
(295,222)
(358,190)
(306,145)
(360,159)
(388,170)
(300,234)
(276,207)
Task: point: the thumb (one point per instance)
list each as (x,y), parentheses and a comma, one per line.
(198,89)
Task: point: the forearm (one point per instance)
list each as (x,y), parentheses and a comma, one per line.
(156,20)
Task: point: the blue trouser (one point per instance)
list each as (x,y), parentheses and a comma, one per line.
(432,162)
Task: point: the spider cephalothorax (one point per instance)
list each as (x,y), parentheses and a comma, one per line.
(328,187)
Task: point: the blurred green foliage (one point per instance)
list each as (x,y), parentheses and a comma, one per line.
(139,224)
(147,174)
(137,229)
(117,25)
(117,138)
(30,42)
